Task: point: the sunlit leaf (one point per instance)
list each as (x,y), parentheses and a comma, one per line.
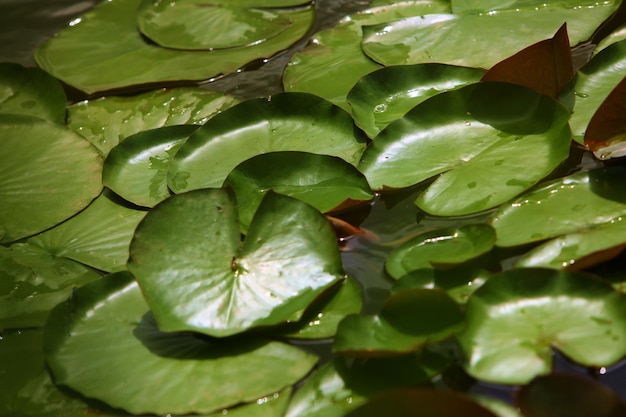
(283,122)
(440,247)
(47,174)
(517,317)
(323,181)
(148,371)
(389,93)
(197,275)
(31,91)
(606,132)
(481,138)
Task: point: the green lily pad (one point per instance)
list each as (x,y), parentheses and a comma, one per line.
(429,402)
(408,321)
(98,236)
(32,281)
(283,122)
(459,282)
(565,205)
(387,94)
(107,121)
(336,54)
(594,83)
(481,138)
(32,92)
(47,174)
(517,317)
(84,56)
(136,169)
(323,181)
(148,371)
(440,247)
(479,40)
(202,24)
(569,395)
(197,275)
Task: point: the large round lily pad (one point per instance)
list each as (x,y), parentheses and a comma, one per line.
(47,174)
(145,370)
(517,317)
(481,138)
(196,274)
(283,122)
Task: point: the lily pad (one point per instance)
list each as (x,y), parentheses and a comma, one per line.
(107,121)
(481,138)
(136,169)
(440,247)
(594,83)
(202,24)
(83,55)
(283,122)
(517,317)
(148,371)
(323,181)
(32,281)
(336,54)
(565,205)
(387,94)
(32,92)
(480,40)
(47,174)
(197,275)
(98,236)
(408,321)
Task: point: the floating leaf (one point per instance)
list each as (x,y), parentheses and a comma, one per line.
(99,236)
(481,138)
(283,122)
(323,181)
(107,121)
(84,56)
(594,83)
(475,39)
(440,247)
(517,317)
(33,281)
(336,54)
(387,94)
(565,205)
(201,24)
(136,168)
(606,133)
(545,66)
(563,395)
(408,321)
(32,92)
(148,371)
(47,174)
(197,275)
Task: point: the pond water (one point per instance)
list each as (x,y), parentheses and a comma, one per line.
(392,218)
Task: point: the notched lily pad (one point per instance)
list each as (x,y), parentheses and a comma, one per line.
(606,133)
(440,247)
(481,138)
(197,275)
(517,317)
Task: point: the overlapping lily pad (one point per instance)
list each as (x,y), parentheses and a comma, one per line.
(47,174)
(84,56)
(387,94)
(481,138)
(517,317)
(148,371)
(197,275)
(323,181)
(440,247)
(283,122)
